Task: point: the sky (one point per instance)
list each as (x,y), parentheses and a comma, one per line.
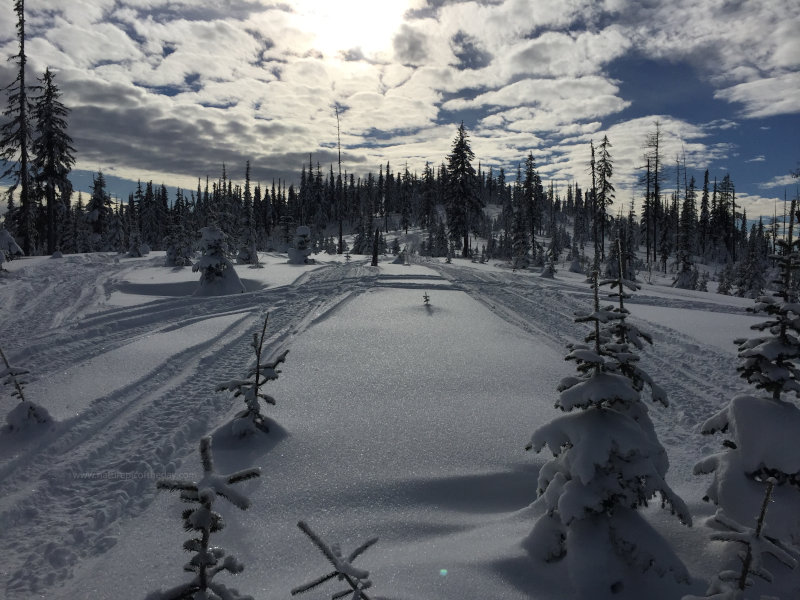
(169,90)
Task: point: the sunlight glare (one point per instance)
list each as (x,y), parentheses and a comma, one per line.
(347,24)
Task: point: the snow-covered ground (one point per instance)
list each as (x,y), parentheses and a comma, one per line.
(394,419)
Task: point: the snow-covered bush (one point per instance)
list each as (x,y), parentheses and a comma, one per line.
(607,463)
(217,274)
(343,568)
(250,419)
(762,429)
(207,561)
(25,414)
(302,246)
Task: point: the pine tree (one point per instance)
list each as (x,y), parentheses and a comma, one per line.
(16,136)
(463,203)
(26,413)
(730,584)
(250,419)
(217,274)
(759,427)
(607,462)
(207,561)
(343,568)
(605,190)
(53,152)
(99,214)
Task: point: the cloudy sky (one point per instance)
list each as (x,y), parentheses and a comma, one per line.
(169,90)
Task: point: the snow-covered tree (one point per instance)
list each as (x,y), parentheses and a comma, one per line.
(217,274)
(298,255)
(731,584)
(762,428)
(8,246)
(607,463)
(549,270)
(250,419)
(178,246)
(207,561)
(25,413)
(343,569)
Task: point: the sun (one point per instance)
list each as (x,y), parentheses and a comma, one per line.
(342,25)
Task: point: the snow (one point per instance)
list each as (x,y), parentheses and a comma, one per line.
(393,419)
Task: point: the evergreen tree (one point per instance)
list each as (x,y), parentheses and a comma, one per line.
(759,426)
(704,223)
(53,152)
(26,413)
(605,190)
(343,568)
(607,462)
(207,561)
(250,419)
(463,203)
(99,214)
(15,145)
(217,274)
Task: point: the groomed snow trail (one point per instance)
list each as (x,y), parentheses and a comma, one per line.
(700,378)
(62,495)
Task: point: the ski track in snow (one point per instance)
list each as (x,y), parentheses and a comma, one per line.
(699,378)
(64,493)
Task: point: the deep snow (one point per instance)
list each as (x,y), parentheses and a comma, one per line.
(393,419)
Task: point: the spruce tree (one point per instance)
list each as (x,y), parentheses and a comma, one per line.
(605,189)
(16,138)
(250,419)
(463,202)
(607,463)
(53,152)
(761,428)
(207,561)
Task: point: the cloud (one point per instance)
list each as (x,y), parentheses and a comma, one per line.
(170,89)
(766,97)
(779,181)
(759,158)
(410,46)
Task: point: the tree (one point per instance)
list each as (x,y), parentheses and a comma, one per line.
(605,190)
(760,427)
(217,274)
(99,213)
(53,152)
(343,568)
(654,177)
(607,462)
(26,413)
(207,561)
(463,203)
(250,419)
(728,584)
(16,142)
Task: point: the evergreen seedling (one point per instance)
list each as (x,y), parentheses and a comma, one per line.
(730,585)
(26,412)
(207,561)
(343,568)
(250,419)
(760,426)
